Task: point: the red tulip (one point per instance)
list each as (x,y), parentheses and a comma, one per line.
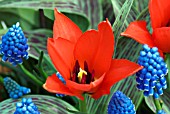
(84,59)
(160,21)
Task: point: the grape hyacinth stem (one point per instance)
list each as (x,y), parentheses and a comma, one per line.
(157,105)
(30,75)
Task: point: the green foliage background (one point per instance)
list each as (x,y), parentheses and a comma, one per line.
(36,19)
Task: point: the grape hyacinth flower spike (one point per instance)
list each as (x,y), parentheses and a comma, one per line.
(14,89)
(151,79)
(14,45)
(63,81)
(26,107)
(161,112)
(120,104)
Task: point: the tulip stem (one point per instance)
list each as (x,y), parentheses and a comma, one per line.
(157,105)
(30,75)
(82,104)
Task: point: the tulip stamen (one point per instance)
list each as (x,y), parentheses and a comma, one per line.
(82,76)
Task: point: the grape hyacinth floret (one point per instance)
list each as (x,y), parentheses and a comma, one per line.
(63,81)
(161,112)
(121,104)
(14,45)
(60,95)
(60,77)
(26,107)
(151,79)
(14,89)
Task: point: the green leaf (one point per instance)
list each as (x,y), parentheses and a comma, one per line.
(108,10)
(121,18)
(12,15)
(39,4)
(80,20)
(140,4)
(167,60)
(30,7)
(151,105)
(85,7)
(93,10)
(2,31)
(37,41)
(47,62)
(38,38)
(45,104)
(166,100)
(81,113)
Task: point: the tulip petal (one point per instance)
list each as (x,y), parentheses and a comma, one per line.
(161,38)
(120,69)
(81,88)
(61,53)
(78,88)
(159,13)
(86,47)
(65,28)
(96,48)
(54,85)
(96,84)
(137,30)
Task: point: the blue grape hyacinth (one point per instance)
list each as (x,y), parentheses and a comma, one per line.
(60,77)
(14,45)
(151,79)
(63,81)
(120,104)
(26,107)
(14,89)
(161,112)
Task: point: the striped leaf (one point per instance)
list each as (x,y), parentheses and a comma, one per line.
(45,104)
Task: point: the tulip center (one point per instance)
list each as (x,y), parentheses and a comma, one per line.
(82,76)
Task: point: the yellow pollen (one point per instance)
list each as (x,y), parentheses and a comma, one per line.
(80,74)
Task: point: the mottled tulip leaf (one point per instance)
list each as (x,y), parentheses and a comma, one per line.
(121,18)
(38,38)
(92,9)
(108,10)
(31,7)
(12,15)
(45,104)
(166,100)
(80,20)
(39,4)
